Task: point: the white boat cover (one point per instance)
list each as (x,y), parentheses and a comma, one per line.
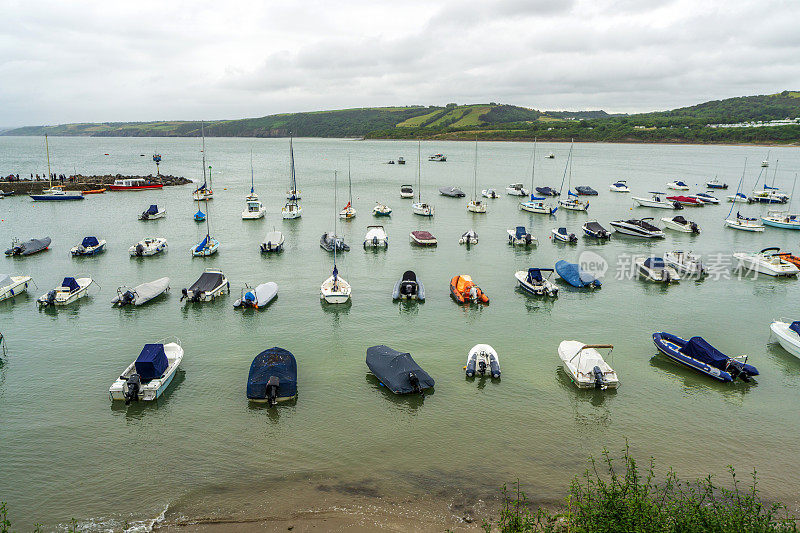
(144,292)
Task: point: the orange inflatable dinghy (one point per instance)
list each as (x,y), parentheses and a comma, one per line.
(464,290)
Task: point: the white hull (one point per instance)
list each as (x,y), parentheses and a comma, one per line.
(574,205)
(424,210)
(203,195)
(348,213)
(667,274)
(646,202)
(578,364)
(293,195)
(771,266)
(376,237)
(676,187)
(744,225)
(612,188)
(254,210)
(671,224)
(517,192)
(489,193)
(338,294)
(788,339)
(685,263)
(64,297)
(149,247)
(547,288)
(290,212)
(160,214)
(536,207)
(476,207)
(155,388)
(18,285)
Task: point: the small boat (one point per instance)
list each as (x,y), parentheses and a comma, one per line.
(656,200)
(272,377)
(381,210)
(468,238)
(419,207)
(423,238)
(153,212)
(134,184)
(335,290)
(437,157)
(252,196)
(551,155)
(259,297)
(453,192)
(329,241)
(532,281)
(547,191)
(376,237)
(409,288)
(203,193)
(768,261)
(517,189)
(781,219)
(273,242)
(70,290)
(586,366)
(519,236)
(397,371)
(140,294)
(423,209)
(572,203)
(254,209)
(89,246)
(489,193)
(573,274)
(537,205)
(208,246)
(744,223)
(690,201)
(768,197)
(211,283)
(698,354)
(592,228)
(148,377)
(678,223)
(28,247)
(561,234)
(464,290)
(787,334)
(481,359)
(765,163)
(686,263)
(716,184)
(11,286)
(655,269)
(619,186)
(349,211)
(678,185)
(638,228)
(292,209)
(93,191)
(3,194)
(739,197)
(148,246)
(706,198)
(401,161)
(476,206)
(406,191)
(585,190)
(56,193)
(199,216)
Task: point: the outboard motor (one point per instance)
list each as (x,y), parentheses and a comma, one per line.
(473,293)
(599,382)
(139,250)
(51,297)
(126,298)
(413,380)
(407,288)
(482,364)
(145,215)
(272,390)
(677,205)
(573,238)
(695,229)
(375,240)
(132,393)
(665,277)
(184,294)
(528,238)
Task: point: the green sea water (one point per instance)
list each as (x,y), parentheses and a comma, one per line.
(202,450)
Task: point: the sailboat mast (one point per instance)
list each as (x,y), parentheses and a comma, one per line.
(292,180)
(774,173)
(738,188)
(47,151)
(564,177)
(252,177)
(475,173)
(203,134)
(533,165)
(349,182)
(419,172)
(335,204)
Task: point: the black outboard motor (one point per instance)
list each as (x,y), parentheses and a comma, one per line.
(145,215)
(677,205)
(482,367)
(139,250)
(573,237)
(413,380)
(184,294)
(599,382)
(272,390)
(665,277)
(375,240)
(126,298)
(528,238)
(695,229)
(132,394)
(51,297)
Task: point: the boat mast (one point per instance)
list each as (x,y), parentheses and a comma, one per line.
(475,174)
(203,134)
(419,173)
(292,180)
(252,178)
(349,182)
(564,177)
(335,204)
(47,151)
(533,166)
(774,173)
(736,196)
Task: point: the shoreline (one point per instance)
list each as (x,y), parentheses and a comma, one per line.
(83,183)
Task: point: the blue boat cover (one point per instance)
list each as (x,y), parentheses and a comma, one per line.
(619,184)
(521,232)
(71,284)
(537,198)
(795,327)
(654,262)
(698,348)
(152,362)
(199,215)
(680,183)
(392,368)
(249,296)
(570,193)
(562,231)
(89,242)
(534,274)
(767,187)
(202,187)
(572,274)
(272,362)
(152,210)
(202,245)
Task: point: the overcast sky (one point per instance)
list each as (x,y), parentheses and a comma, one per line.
(115,60)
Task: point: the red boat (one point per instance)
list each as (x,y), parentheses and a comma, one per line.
(686,200)
(134,184)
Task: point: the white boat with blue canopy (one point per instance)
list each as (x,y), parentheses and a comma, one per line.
(89,246)
(619,186)
(147,378)
(519,236)
(534,282)
(70,290)
(208,246)
(272,377)
(787,333)
(678,185)
(152,213)
(698,354)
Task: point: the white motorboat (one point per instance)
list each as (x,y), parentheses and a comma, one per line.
(619,186)
(532,281)
(406,191)
(257,298)
(739,197)
(678,185)
(489,193)
(657,200)
(381,210)
(468,238)
(89,246)
(517,189)
(656,269)
(11,286)
(140,294)
(678,223)
(409,288)
(376,237)
(638,228)
(482,359)
(768,261)
(537,205)
(744,223)
(148,377)
(781,219)
(70,290)
(211,284)
(592,228)
(768,196)
(561,234)
(292,208)
(419,207)
(153,213)
(519,236)
(253,210)
(551,155)
(706,198)
(273,242)
(787,333)
(716,184)
(423,238)
(335,290)
(349,211)
(148,246)
(441,158)
(587,368)
(685,263)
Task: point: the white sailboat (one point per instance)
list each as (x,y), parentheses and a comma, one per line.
(572,202)
(335,290)
(536,204)
(209,245)
(349,211)
(292,208)
(204,192)
(253,208)
(420,208)
(475,205)
(783,219)
(742,222)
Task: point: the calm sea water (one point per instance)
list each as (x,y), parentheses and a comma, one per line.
(203,451)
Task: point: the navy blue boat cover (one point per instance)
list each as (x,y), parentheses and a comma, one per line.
(654,262)
(795,327)
(392,368)
(152,210)
(71,284)
(152,362)
(89,241)
(521,232)
(534,274)
(272,362)
(682,184)
(202,245)
(698,348)
(572,274)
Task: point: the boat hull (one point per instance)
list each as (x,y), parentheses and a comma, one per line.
(665,343)
(19,284)
(788,339)
(779,224)
(155,388)
(55,198)
(645,202)
(135,188)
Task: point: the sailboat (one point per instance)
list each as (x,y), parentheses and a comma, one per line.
(536,203)
(349,211)
(203,192)
(53,193)
(335,290)
(209,245)
(475,205)
(292,209)
(420,208)
(572,202)
(253,208)
(783,219)
(741,222)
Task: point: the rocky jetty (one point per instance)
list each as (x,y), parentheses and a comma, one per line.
(82,183)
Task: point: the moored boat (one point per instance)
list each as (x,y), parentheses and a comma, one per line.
(272,377)
(273,242)
(381,210)
(211,284)
(686,263)
(716,184)
(453,192)
(409,287)
(148,246)
(638,228)
(678,223)
(423,238)
(489,193)
(464,290)
(89,246)
(768,261)
(406,191)
(441,158)
(744,223)
(586,367)
(573,274)
(787,333)
(141,293)
(70,290)
(698,354)
(134,184)
(656,200)
(482,359)
(781,219)
(148,377)
(329,242)
(561,234)
(376,237)
(619,186)
(655,269)
(152,213)
(28,247)
(592,228)
(519,236)
(690,201)
(707,198)
(678,185)
(468,237)
(585,190)
(398,371)
(532,281)
(11,286)
(517,189)
(257,298)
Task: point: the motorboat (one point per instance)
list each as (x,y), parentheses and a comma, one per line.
(89,246)
(152,213)
(28,247)
(453,192)
(56,193)
(329,241)
(768,261)
(148,246)
(685,263)
(793,259)
(134,184)
(257,298)
(401,161)
(517,189)
(573,274)
(211,284)
(707,198)
(349,212)
(438,158)
(586,366)
(592,228)
(765,163)
(376,237)
(768,197)
(4,194)
(409,288)
(406,191)
(698,354)
(481,360)
(781,219)
(70,290)
(585,190)
(489,193)
(272,377)
(638,228)
(537,205)
(690,201)
(561,234)
(149,376)
(464,290)
(572,203)
(11,286)
(381,210)
(254,209)
(468,238)
(739,197)
(716,184)
(423,238)
(678,185)
(787,333)
(744,223)
(519,236)
(534,282)
(335,290)
(551,155)
(292,209)
(678,223)
(547,191)
(655,269)
(273,242)
(208,246)
(656,200)
(397,371)
(141,293)
(619,186)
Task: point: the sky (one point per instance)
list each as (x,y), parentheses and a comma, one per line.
(117,60)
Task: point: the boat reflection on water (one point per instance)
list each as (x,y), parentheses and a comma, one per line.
(138,410)
(694,382)
(410,307)
(273,412)
(591,408)
(409,403)
(596,397)
(535,304)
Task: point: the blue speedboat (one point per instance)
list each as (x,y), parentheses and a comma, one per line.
(698,354)
(272,377)
(575,276)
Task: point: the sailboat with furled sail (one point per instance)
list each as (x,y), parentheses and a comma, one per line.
(292,208)
(420,208)
(253,208)
(572,202)
(209,245)
(742,222)
(475,205)
(335,290)
(204,191)
(349,211)
(536,204)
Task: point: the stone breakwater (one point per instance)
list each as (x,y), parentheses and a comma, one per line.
(84,183)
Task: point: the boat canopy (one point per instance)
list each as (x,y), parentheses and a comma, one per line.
(89,242)
(5,279)
(534,275)
(698,348)
(679,219)
(537,198)
(681,184)
(276,362)
(620,183)
(574,275)
(152,362)
(409,275)
(654,262)
(795,326)
(395,370)
(71,284)
(207,281)
(594,226)
(521,232)
(202,245)
(152,210)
